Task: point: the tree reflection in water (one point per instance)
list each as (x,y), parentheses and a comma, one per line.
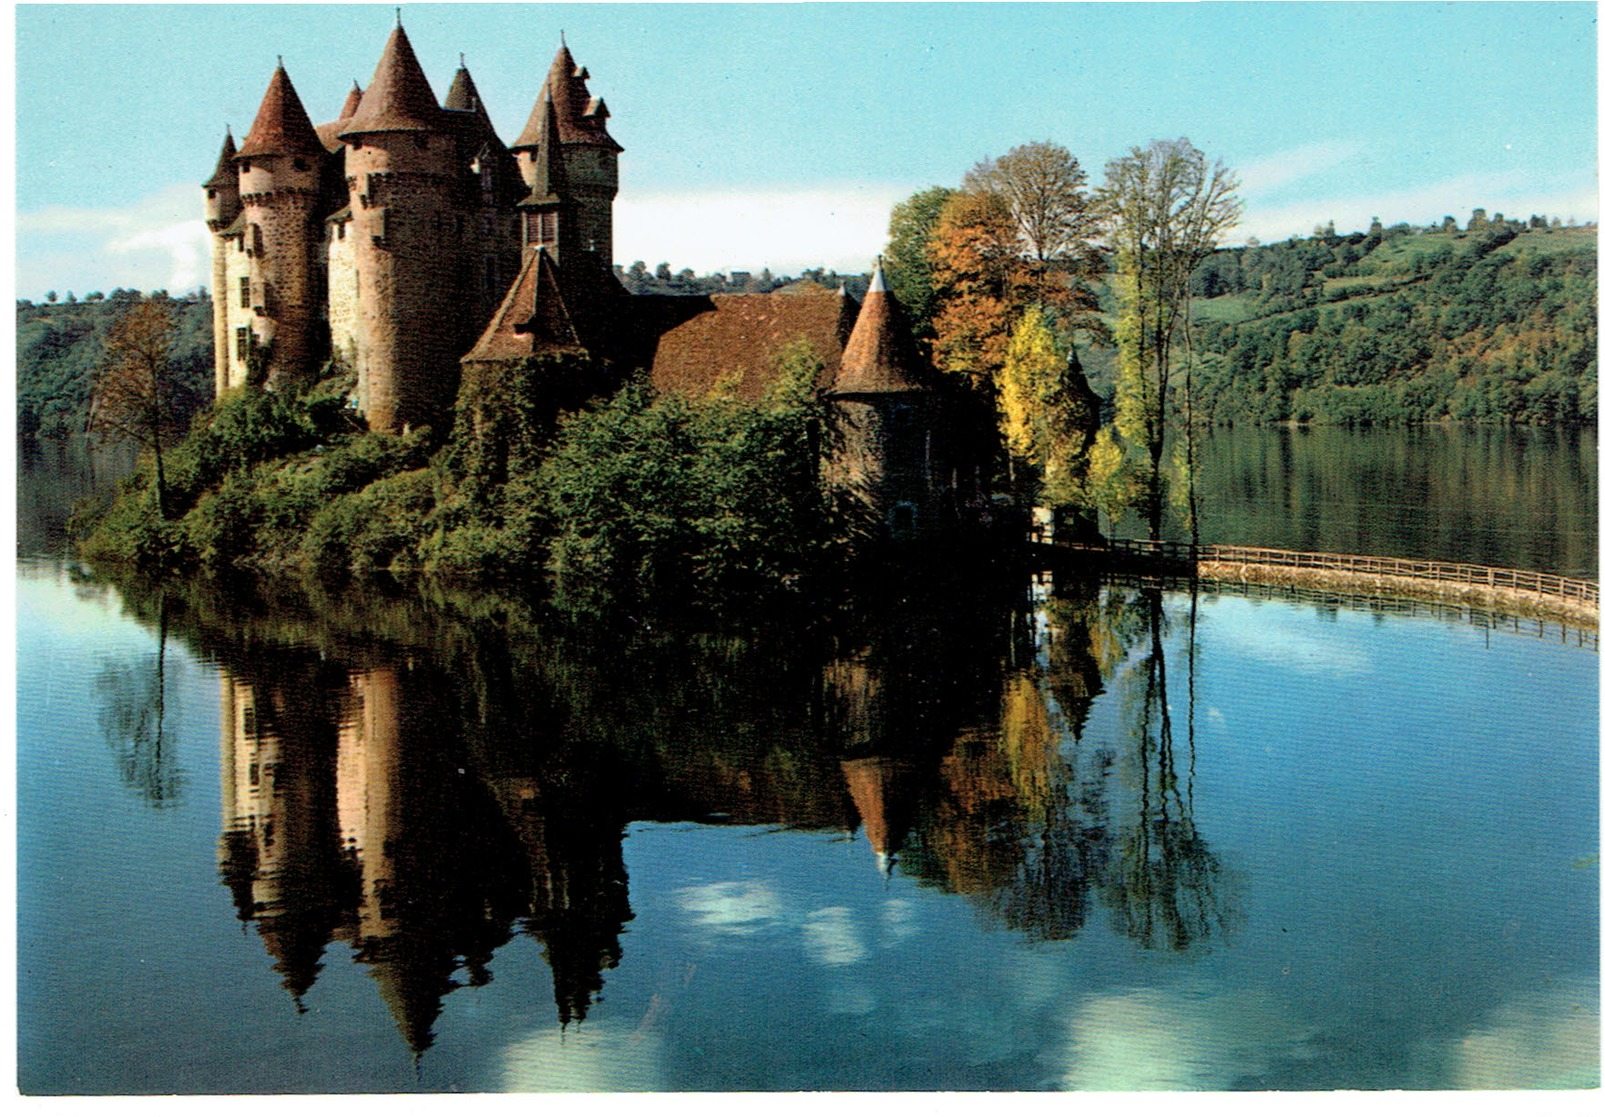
(135,722)
(423,782)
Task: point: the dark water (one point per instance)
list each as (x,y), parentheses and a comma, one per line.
(1086,837)
(1521,498)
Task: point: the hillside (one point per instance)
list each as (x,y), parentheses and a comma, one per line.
(1496,324)
(60,344)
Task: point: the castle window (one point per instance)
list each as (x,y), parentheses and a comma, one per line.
(210,194)
(242,343)
(245,167)
(245,291)
(340,230)
(301,164)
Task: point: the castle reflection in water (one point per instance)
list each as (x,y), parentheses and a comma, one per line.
(427,793)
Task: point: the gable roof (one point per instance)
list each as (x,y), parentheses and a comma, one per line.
(734,342)
(282,126)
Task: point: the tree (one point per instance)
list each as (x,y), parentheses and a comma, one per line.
(137,390)
(1047,412)
(907,258)
(1167,207)
(973,260)
(1055,224)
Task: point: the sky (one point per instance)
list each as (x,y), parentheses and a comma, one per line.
(781,135)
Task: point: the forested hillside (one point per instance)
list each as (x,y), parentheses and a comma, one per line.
(61,344)
(1497,323)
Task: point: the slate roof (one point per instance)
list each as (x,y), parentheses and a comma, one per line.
(550,185)
(399,98)
(282,126)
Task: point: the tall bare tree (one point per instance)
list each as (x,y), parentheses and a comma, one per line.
(1167,207)
(137,389)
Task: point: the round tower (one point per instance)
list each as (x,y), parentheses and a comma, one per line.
(280,167)
(590,158)
(400,169)
(222,208)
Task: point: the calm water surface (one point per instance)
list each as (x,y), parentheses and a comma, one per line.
(1525,498)
(1056,837)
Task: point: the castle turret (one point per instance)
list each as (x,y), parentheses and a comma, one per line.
(222,209)
(400,169)
(550,218)
(590,159)
(280,167)
(887,415)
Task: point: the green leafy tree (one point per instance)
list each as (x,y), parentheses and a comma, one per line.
(1167,208)
(907,258)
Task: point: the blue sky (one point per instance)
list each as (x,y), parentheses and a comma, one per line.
(780,135)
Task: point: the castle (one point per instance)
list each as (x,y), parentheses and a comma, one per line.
(407,244)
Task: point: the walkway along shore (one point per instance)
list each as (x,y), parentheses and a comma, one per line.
(1526,592)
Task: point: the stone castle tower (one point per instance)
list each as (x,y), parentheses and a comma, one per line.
(385,239)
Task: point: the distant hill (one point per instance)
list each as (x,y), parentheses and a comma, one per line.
(1497,323)
(60,345)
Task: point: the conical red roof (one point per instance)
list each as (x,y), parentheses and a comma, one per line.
(353,100)
(463,96)
(399,98)
(224,174)
(282,126)
(880,355)
(581,118)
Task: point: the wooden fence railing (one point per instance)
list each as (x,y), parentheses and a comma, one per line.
(1457,573)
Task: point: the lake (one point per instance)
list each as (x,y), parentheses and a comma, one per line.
(1009,835)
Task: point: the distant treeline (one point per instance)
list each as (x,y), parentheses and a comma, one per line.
(1494,323)
(60,344)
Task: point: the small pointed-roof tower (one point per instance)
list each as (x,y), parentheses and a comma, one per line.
(353,101)
(463,95)
(533,318)
(225,173)
(282,126)
(880,355)
(581,118)
(399,98)
(549,183)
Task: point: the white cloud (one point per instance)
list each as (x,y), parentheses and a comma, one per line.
(1267,175)
(731,907)
(786,231)
(590,1059)
(832,937)
(157,242)
(1189,1038)
(1546,1039)
(1508,192)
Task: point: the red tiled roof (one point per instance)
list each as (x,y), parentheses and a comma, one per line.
(282,126)
(735,345)
(581,118)
(224,174)
(533,318)
(880,356)
(463,95)
(398,99)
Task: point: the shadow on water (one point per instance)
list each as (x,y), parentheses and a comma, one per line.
(425,777)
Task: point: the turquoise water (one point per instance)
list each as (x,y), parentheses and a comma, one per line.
(1071,837)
